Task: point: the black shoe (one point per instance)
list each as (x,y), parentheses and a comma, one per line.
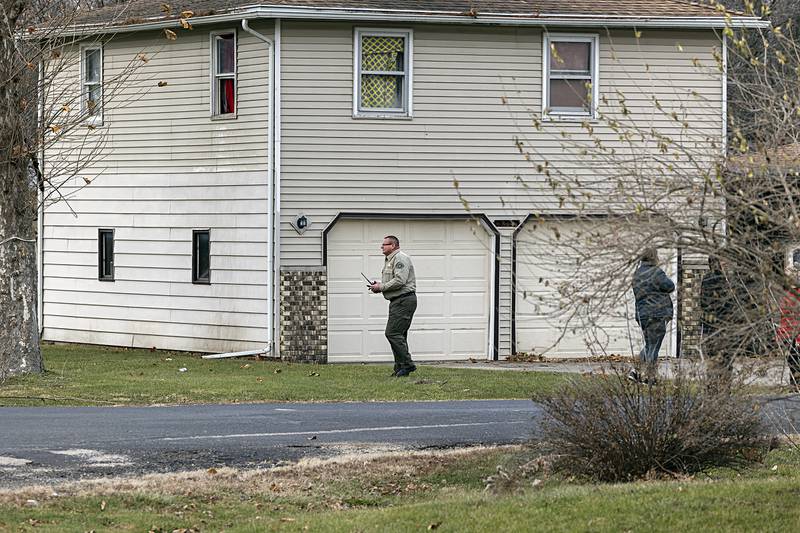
(405,371)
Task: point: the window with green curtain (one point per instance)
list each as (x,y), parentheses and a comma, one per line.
(383,72)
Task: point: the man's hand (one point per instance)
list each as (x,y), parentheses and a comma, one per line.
(375,287)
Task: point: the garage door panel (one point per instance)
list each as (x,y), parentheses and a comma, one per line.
(469,267)
(468,305)
(428,342)
(339,338)
(375,306)
(376,231)
(346,264)
(468,232)
(543,265)
(465,340)
(430,267)
(453,267)
(429,305)
(375,342)
(346,306)
(430,232)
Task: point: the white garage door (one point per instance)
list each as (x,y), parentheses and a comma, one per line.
(551,274)
(454,289)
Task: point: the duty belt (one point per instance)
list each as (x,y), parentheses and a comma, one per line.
(402,296)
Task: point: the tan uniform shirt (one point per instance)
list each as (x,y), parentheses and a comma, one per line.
(398,276)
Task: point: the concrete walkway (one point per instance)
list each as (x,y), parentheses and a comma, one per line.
(767,372)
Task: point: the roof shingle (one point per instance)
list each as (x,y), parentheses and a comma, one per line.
(139,11)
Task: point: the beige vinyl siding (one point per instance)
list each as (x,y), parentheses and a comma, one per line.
(475,90)
(163,169)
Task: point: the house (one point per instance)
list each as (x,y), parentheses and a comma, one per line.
(252,163)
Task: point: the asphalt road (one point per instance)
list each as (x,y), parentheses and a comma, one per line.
(41,445)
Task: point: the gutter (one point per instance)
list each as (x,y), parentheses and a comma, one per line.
(276,227)
(504,19)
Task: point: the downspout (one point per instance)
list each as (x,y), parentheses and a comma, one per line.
(276,99)
(271,166)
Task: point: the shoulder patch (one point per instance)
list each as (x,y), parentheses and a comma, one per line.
(399,265)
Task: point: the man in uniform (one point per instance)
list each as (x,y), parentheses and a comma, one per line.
(398,284)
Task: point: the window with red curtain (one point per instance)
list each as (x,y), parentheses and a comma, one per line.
(225,73)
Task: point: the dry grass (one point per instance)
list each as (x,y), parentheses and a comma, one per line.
(384,471)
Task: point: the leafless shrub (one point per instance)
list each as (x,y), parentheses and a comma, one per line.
(517,478)
(613,429)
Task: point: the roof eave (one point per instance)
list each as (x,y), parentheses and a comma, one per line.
(505,19)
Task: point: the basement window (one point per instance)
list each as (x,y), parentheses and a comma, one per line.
(201,256)
(105,255)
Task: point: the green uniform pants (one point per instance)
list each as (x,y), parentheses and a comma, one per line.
(401,312)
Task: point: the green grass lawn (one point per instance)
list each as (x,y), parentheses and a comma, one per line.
(87,375)
(415,492)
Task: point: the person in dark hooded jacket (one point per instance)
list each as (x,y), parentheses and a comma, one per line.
(718,338)
(651,288)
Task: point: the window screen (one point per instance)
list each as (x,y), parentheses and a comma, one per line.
(571,75)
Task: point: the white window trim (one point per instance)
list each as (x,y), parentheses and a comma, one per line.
(213,73)
(94,120)
(408,111)
(592,38)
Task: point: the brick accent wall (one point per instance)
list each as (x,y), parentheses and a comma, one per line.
(304,314)
(690,312)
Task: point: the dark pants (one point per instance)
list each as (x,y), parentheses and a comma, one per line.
(718,350)
(654,330)
(401,311)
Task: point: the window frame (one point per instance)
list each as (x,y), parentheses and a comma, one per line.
(789,264)
(571,113)
(215,114)
(196,257)
(102,255)
(405,112)
(93,119)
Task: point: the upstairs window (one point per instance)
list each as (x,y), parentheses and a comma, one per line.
(92,83)
(223,62)
(570,75)
(382,74)
(105,255)
(201,256)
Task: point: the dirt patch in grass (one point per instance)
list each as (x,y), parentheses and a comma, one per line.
(381,472)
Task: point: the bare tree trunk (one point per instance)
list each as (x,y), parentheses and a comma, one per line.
(19,332)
